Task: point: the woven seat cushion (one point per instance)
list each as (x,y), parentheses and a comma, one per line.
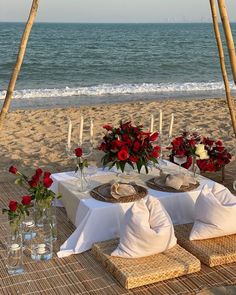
(212,252)
(136,272)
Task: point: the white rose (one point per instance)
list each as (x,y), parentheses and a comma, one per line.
(201,152)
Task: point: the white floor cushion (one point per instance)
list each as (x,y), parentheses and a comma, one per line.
(215,213)
(146,230)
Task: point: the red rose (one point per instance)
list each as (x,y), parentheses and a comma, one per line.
(13,170)
(127,139)
(116,144)
(32,183)
(178,141)
(13,205)
(47,182)
(107,127)
(219,142)
(157,148)
(133,159)
(180,153)
(35,178)
(123,155)
(38,172)
(154,136)
(219,149)
(78,152)
(47,174)
(26,200)
(192,142)
(154,154)
(102,147)
(136,146)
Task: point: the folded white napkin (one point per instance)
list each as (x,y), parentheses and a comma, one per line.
(178,180)
(146,230)
(119,190)
(215,213)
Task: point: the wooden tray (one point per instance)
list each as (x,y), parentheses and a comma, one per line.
(157,183)
(103,193)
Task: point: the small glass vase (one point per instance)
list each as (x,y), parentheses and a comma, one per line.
(128,175)
(28,229)
(82,181)
(41,243)
(194,170)
(44,210)
(14,248)
(40,211)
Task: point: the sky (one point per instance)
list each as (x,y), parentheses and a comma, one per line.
(102,11)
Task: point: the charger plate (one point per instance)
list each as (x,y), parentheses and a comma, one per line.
(103,193)
(158,184)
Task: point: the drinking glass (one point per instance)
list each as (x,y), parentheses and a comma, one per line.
(180,160)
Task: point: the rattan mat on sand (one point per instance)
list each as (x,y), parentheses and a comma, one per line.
(132,273)
(82,274)
(212,252)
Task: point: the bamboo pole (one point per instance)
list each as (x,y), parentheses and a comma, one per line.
(228,36)
(19,61)
(229,98)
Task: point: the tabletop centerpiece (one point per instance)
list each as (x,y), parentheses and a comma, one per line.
(129,147)
(207,154)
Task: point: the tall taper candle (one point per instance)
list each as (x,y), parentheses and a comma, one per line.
(91,130)
(81,130)
(152,124)
(160,121)
(171,125)
(69,133)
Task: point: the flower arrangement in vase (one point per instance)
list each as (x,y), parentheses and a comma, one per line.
(16,211)
(210,155)
(128,145)
(81,163)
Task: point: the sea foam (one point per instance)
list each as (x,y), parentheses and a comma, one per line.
(122,89)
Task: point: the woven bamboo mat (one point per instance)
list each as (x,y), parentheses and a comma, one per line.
(81,274)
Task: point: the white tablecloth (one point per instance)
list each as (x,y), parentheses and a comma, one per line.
(98,221)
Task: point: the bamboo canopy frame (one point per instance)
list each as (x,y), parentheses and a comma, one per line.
(229,98)
(19,61)
(229,41)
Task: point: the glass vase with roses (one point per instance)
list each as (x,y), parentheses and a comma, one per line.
(38,186)
(129,146)
(208,154)
(17,212)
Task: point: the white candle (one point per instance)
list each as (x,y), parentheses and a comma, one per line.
(152,124)
(160,121)
(69,133)
(91,130)
(81,130)
(171,125)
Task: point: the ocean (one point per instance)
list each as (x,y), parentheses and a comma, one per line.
(81,64)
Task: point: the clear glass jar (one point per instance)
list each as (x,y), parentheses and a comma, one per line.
(14,248)
(41,243)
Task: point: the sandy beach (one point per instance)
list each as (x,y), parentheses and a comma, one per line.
(37,138)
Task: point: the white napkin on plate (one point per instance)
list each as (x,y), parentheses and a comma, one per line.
(119,190)
(177,180)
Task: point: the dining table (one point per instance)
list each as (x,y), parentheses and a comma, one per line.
(97,220)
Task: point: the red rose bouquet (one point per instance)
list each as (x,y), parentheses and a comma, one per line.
(17,211)
(128,144)
(38,185)
(210,154)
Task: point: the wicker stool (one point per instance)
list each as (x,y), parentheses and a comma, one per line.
(212,252)
(137,272)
